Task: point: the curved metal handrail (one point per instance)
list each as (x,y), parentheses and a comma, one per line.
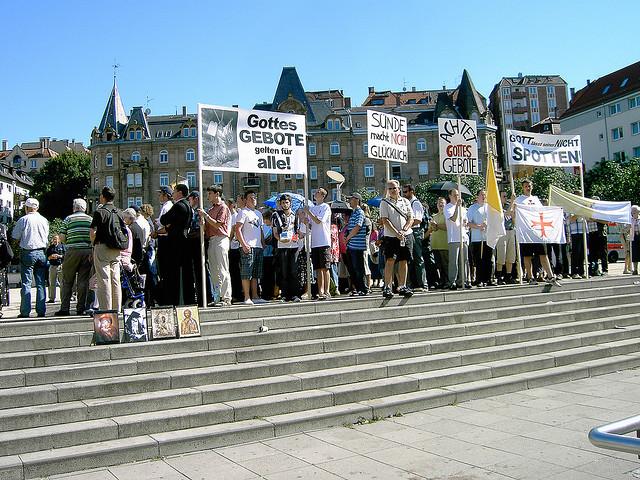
(612,436)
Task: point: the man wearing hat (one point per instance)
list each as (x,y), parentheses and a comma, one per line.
(32,232)
(357,245)
(176,223)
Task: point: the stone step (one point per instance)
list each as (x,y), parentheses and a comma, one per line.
(109,452)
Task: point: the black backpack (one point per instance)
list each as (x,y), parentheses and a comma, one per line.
(6,252)
(116,234)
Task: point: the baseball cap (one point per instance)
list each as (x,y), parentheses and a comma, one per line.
(166,190)
(194,194)
(136,208)
(357,196)
(32,203)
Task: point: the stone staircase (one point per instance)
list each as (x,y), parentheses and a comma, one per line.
(65,405)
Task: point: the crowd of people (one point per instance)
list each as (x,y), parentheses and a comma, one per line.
(254,255)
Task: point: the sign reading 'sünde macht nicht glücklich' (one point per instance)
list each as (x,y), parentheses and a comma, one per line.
(458,141)
(232,139)
(387,136)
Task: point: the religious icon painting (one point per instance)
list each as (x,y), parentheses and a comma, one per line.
(135,325)
(106,329)
(188,321)
(163,323)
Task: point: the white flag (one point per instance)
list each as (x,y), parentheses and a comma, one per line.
(535,224)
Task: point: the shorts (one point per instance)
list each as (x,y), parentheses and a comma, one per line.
(392,249)
(251,264)
(530,249)
(321,257)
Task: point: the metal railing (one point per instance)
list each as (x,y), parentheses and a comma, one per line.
(612,436)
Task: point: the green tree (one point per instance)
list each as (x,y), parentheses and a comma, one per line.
(59,181)
(542,178)
(474,183)
(615,180)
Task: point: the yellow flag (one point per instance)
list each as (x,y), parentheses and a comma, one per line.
(495,217)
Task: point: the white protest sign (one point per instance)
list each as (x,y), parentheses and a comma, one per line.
(458,141)
(542,150)
(387,136)
(232,139)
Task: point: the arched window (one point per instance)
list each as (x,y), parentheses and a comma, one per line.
(334,148)
(135,157)
(421,145)
(190,155)
(164,156)
(108,161)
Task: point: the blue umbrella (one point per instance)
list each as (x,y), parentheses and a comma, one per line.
(374,202)
(297,200)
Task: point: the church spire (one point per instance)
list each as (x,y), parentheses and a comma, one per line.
(114,114)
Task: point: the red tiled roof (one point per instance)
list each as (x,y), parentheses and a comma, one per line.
(597,92)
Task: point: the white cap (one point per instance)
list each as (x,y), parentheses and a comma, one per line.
(32,203)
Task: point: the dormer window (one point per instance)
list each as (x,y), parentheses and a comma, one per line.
(139,134)
(135,157)
(132,134)
(329,124)
(193,132)
(185,132)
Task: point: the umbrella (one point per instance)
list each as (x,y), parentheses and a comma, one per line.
(339,206)
(444,187)
(374,202)
(297,200)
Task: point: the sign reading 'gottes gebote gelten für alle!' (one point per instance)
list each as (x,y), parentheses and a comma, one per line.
(458,141)
(232,139)
(387,137)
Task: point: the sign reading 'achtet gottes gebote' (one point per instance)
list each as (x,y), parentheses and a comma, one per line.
(232,139)
(543,150)
(387,137)
(458,141)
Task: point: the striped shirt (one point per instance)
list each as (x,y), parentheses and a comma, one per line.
(359,240)
(75,229)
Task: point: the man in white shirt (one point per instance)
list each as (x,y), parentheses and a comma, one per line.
(320,219)
(249,233)
(32,233)
(454,213)
(529,249)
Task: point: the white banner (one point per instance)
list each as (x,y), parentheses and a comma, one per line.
(535,224)
(542,150)
(458,141)
(387,137)
(236,140)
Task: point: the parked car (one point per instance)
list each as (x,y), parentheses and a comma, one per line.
(614,243)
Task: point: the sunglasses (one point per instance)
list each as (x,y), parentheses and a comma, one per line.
(392,188)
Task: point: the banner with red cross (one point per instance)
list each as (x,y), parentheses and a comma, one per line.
(535,224)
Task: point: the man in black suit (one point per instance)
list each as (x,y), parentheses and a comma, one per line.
(176,222)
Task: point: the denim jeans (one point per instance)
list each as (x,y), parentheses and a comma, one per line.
(33,262)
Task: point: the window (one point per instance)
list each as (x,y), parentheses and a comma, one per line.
(636,152)
(598,114)
(334,148)
(421,145)
(337,124)
(369,171)
(423,168)
(299,176)
(95,161)
(534,103)
(601,137)
(135,157)
(109,160)
(396,172)
(358,124)
(164,156)
(613,109)
(535,117)
(336,168)
(334,194)
(130,180)
(139,201)
(218,178)
(624,82)
(34,163)
(164,179)
(635,128)
(377,101)
(551,91)
(313,172)
(507,105)
(313,192)
(287,176)
(131,201)
(312,149)
(506,92)
(273,177)
(616,133)
(168,133)
(533,91)
(619,156)
(132,134)
(191,179)
(300,191)
(185,132)
(138,134)
(606,89)
(634,102)
(193,132)
(108,181)
(138,179)
(190,155)
(329,124)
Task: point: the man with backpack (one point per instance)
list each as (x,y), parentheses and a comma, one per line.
(417,277)
(109,237)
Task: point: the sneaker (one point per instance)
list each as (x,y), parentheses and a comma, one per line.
(405,292)
(322,297)
(258,301)
(575,276)
(51,301)
(418,289)
(363,294)
(501,281)
(295,299)
(387,292)
(583,277)
(604,274)
(62,313)
(453,286)
(467,286)
(247,302)
(533,281)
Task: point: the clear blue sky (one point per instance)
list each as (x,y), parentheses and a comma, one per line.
(57,56)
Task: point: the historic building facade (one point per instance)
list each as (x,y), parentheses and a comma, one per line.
(137,153)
